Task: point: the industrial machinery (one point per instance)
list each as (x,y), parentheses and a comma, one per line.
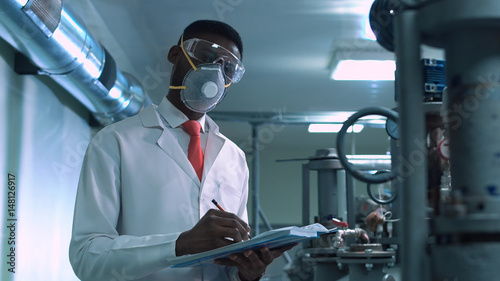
(447,153)
(450,230)
(351,252)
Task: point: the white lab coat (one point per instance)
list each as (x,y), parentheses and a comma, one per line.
(138,192)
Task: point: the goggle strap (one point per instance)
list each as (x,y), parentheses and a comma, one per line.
(178,87)
(184,87)
(185,53)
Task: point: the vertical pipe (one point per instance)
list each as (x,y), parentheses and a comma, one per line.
(474,95)
(255,178)
(396,184)
(412,170)
(342,199)
(265,220)
(351,200)
(305,194)
(473,79)
(327,194)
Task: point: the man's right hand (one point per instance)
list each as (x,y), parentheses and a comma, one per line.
(214,230)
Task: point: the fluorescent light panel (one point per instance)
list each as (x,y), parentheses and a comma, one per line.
(374,70)
(333,128)
(342,116)
(369,32)
(22,2)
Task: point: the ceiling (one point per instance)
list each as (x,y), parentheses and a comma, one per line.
(288,47)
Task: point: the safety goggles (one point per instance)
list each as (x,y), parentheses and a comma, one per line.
(209,52)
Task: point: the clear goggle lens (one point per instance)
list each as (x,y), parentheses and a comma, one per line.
(208,52)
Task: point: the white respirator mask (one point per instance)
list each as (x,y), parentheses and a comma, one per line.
(204,86)
(203,89)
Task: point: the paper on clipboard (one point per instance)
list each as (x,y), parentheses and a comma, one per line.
(272,239)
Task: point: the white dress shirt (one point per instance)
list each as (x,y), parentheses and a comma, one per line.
(138,192)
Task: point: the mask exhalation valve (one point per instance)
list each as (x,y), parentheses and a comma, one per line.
(209,89)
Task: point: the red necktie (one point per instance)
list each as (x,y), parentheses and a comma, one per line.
(195,154)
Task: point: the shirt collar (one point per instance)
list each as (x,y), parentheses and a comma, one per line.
(174,117)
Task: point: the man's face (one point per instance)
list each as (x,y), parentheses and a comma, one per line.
(182,67)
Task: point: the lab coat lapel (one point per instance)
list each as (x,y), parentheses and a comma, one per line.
(167,143)
(215,142)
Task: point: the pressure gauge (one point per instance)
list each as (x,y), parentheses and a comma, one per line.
(444,148)
(392,128)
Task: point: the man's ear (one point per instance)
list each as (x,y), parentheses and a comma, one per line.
(174,54)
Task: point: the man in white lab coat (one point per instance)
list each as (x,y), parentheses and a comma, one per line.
(140,201)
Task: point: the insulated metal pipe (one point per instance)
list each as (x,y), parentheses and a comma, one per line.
(327,168)
(57,42)
(468,243)
(327,191)
(474,114)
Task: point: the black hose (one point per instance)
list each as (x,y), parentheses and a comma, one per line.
(380,178)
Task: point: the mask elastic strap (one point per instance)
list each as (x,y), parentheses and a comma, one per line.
(178,87)
(184,87)
(185,53)
(190,62)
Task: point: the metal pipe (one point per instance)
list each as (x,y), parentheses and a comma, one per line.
(306,194)
(351,200)
(255,178)
(474,89)
(468,31)
(342,199)
(413,167)
(58,43)
(358,233)
(265,220)
(327,195)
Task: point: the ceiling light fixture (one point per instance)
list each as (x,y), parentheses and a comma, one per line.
(362,60)
(333,128)
(364,70)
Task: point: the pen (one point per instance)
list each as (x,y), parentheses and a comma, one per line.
(218,206)
(340,223)
(222,209)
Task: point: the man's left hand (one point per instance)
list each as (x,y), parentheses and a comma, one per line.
(252,264)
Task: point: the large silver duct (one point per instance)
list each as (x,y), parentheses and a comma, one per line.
(57,42)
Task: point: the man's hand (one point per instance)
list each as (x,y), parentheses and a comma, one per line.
(252,264)
(214,230)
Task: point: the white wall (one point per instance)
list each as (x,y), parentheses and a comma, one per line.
(44,134)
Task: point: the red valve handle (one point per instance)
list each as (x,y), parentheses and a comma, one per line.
(340,223)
